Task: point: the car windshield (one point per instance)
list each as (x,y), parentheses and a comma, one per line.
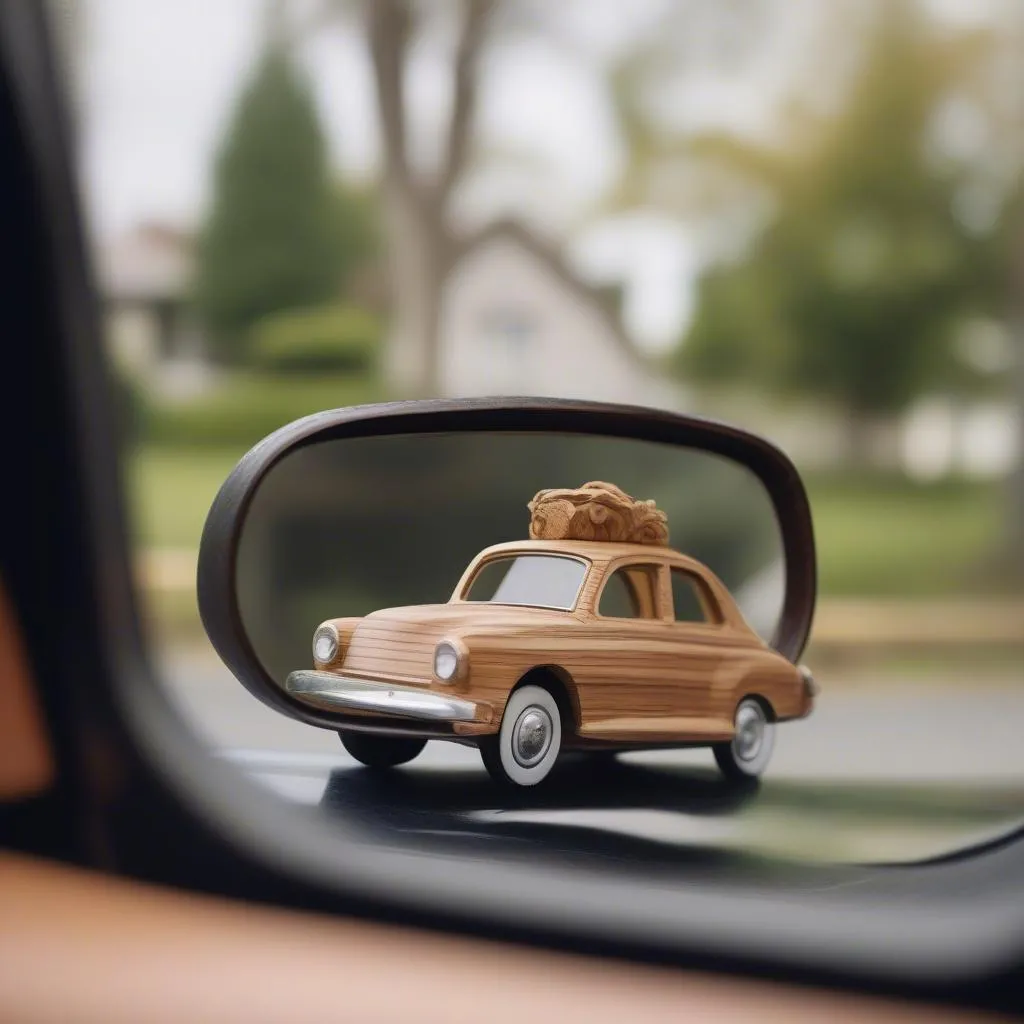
(543,581)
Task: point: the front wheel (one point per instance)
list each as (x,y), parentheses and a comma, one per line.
(747,755)
(380,751)
(526,747)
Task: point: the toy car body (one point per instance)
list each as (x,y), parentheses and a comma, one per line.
(552,645)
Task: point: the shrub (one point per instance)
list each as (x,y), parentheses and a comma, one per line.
(250,406)
(329,339)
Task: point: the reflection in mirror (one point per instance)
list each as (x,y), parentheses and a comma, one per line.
(346,527)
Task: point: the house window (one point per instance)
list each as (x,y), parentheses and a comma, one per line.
(508,331)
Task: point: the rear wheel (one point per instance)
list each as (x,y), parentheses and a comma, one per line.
(526,747)
(380,751)
(747,755)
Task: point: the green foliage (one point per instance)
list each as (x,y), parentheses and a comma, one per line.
(736,310)
(280,235)
(341,339)
(855,291)
(868,529)
(249,407)
(130,407)
(355,212)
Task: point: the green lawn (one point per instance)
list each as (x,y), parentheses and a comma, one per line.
(188,449)
(885,536)
(171,490)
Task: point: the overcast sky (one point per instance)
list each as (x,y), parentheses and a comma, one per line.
(157,81)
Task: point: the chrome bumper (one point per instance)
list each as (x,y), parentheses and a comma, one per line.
(331,692)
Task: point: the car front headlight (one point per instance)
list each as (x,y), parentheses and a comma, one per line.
(446,661)
(325,643)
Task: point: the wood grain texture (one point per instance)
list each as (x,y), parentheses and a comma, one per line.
(596,511)
(624,680)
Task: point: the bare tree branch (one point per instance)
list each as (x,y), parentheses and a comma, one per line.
(389,30)
(475,16)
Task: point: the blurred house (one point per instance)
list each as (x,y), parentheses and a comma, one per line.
(516,321)
(144,278)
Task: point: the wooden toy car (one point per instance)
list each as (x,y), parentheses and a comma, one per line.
(555,644)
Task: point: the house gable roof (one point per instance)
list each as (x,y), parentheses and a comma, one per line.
(550,258)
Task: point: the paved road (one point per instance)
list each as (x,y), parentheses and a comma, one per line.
(884,769)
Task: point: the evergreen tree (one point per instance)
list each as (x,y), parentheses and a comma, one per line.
(273,239)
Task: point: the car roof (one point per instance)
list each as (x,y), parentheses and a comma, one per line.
(598,552)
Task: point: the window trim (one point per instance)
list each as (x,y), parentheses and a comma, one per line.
(659,594)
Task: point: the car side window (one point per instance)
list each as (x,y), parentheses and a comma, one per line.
(629,593)
(686,598)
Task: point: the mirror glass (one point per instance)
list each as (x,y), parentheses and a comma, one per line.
(347,527)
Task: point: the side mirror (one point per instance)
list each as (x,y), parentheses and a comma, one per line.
(350,511)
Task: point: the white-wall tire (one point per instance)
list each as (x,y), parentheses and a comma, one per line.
(747,755)
(527,745)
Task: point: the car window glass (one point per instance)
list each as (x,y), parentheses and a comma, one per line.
(686,602)
(546,581)
(629,593)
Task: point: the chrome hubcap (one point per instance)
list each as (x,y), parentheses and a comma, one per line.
(532,736)
(750,722)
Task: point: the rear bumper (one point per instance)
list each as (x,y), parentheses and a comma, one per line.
(330,692)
